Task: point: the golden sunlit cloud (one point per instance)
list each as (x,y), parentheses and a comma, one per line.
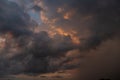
(60,31)
(56,30)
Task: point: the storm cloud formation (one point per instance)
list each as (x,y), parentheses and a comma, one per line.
(24,51)
(13,19)
(82,25)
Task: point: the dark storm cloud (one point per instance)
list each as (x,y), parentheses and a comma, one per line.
(43,50)
(94,21)
(106,20)
(43,56)
(35,51)
(13,19)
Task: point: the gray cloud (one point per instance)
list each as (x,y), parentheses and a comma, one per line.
(103,62)
(99,18)
(94,21)
(33,49)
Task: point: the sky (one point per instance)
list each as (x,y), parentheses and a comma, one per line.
(43,36)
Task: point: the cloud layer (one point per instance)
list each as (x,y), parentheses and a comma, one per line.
(23,50)
(38,35)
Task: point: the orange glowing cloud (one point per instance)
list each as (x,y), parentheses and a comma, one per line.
(60,31)
(69,14)
(4,38)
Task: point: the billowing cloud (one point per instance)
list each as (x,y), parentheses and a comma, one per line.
(54,33)
(23,50)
